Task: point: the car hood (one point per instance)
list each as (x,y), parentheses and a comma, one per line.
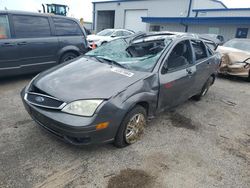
(233,55)
(97,37)
(86,79)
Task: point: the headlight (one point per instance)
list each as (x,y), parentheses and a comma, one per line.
(82,107)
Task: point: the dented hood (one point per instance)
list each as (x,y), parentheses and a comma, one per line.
(233,55)
(86,79)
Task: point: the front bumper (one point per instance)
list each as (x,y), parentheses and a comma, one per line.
(237,69)
(242,74)
(76,130)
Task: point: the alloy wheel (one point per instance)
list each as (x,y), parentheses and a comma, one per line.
(135,128)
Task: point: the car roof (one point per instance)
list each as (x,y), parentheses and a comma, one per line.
(114,30)
(153,36)
(26,13)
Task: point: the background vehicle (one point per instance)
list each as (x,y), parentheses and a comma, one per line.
(218,39)
(107,35)
(56,9)
(235,58)
(118,86)
(33,42)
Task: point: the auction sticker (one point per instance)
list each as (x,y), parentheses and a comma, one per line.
(122,72)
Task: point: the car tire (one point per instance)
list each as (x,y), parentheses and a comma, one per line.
(130,130)
(67,57)
(205,89)
(248,76)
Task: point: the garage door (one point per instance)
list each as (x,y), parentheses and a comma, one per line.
(133,20)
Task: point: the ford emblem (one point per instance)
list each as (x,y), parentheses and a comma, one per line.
(39,99)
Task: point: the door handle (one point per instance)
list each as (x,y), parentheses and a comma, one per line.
(22,43)
(8,44)
(189,71)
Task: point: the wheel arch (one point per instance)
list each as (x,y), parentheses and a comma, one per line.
(147,100)
(213,76)
(68,49)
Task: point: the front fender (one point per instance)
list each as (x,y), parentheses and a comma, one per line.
(143,91)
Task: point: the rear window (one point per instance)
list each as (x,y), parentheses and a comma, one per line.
(65,27)
(31,26)
(4,27)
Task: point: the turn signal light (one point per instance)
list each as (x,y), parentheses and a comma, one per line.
(94,46)
(101,126)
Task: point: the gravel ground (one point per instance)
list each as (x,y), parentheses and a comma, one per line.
(198,144)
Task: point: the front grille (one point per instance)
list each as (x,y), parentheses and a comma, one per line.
(42,100)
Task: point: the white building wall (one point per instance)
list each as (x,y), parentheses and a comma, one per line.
(169,27)
(228,31)
(206,4)
(176,8)
(156,8)
(229,13)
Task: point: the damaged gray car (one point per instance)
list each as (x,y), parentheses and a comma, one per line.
(108,94)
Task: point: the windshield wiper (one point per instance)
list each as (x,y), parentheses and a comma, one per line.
(111,61)
(103,59)
(93,56)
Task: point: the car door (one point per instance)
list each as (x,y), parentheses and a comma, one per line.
(36,43)
(177,76)
(8,47)
(203,62)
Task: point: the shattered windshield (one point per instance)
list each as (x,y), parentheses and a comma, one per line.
(138,56)
(240,45)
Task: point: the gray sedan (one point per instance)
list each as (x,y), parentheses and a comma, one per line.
(108,94)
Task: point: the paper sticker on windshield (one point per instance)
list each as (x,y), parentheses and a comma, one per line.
(122,72)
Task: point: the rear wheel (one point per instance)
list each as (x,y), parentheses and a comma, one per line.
(68,56)
(132,127)
(205,89)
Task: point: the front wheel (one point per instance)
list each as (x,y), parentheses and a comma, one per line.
(132,127)
(205,89)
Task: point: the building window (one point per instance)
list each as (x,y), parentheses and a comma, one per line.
(241,33)
(214,30)
(155,28)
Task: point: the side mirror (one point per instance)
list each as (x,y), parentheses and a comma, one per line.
(113,35)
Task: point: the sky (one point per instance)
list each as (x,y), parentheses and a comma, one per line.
(83,8)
